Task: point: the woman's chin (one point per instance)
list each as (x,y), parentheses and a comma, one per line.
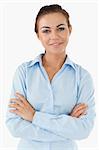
(56,51)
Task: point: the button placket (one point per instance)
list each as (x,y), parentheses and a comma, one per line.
(50,102)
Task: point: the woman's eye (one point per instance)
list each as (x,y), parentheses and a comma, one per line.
(45,31)
(61,29)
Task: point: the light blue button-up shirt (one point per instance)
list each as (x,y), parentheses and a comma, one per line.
(52,128)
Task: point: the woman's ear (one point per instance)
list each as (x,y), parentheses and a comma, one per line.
(37,35)
(70,29)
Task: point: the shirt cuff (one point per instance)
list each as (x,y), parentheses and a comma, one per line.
(38,118)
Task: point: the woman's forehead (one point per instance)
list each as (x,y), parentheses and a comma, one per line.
(52,19)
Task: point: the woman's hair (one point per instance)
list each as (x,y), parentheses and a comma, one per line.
(55,8)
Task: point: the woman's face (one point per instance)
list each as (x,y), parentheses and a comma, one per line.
(53,32)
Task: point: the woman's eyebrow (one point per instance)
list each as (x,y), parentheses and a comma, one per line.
(60,25)
(45,27)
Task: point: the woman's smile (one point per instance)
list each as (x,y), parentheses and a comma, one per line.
(56,44)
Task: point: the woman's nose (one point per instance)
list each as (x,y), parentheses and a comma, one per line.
(54,35)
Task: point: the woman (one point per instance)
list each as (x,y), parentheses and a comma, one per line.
(52,98)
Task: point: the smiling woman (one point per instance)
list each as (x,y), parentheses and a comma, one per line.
(54,35)
(52,98)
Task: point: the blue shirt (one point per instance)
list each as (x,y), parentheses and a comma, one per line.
(52,128)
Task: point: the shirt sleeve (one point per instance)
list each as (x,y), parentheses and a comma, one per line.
(20,127)
(67,126)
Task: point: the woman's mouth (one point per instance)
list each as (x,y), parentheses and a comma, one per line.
(56,44)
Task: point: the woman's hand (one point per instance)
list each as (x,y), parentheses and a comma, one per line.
(22,107)
(79,110)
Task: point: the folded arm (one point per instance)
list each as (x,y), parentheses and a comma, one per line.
(18,126)
(60,127)
(67,126)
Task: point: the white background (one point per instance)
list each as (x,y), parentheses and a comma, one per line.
(18,43)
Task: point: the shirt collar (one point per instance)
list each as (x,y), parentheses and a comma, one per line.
(69,62)
(38,60)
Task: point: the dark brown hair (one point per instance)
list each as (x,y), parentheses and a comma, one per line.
(51,9)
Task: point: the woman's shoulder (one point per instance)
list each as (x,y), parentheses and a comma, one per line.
(82,71)
(30,63)
(77,67)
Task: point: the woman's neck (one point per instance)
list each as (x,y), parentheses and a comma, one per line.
(53,61)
